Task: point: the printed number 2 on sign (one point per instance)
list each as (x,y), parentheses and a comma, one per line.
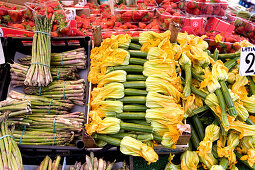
(247,61)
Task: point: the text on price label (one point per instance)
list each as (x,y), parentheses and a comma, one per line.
(247,61)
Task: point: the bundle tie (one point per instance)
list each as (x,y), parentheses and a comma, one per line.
(21,136)
(40,91)
(54,130)
(49,106)
(23,98)
(64,90)
(58,72)
(41,64)
(6,136)
(43,32)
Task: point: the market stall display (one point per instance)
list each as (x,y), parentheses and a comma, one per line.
(140,92)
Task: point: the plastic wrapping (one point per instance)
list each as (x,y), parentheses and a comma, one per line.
(242,26)
(206,9)
(134,14)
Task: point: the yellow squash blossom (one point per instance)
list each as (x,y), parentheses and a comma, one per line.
(218,38)
(159,127)
(228,151)
(243,113)
(217,167)
(159,55)
(232,76)
(163,86)
(191,40)
(239,86)
(112,90)
(210,81)
(219,71)
(249,103)
(244,43)
(190,103)
(108,125)
(198,56)
(170,115)
(113,76)
(212,133)
(123,40)
(157,100)
(101,59)
(197,69)
(171,137)
(243,128)
(151,68)
(208,161)
(174,51)
(246,143)
(108,106)
(250,157)
(149,35)
(131,146)
(189,160)
(149,44)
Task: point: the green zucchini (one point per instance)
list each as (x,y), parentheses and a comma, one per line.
(133,46)
(141,122)
(131,115)
(138,53)
(135,92)
(134,108)
(133,77)
(127,68)
(145,137)
(135,39)
(133,99)
(110,114)
(194,138)
(108,139)
(135,84)
(156,137)
(198,127)
(121,135)
(138,61)
(135,127)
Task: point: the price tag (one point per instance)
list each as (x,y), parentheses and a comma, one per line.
(247,61)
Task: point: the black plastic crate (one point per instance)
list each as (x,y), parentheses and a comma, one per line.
(23,45)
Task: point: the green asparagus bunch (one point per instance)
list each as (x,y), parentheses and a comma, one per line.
(61,90)
(18,74)
(76,58)
(42,104)
(10,157)
(11,108)
(39,71)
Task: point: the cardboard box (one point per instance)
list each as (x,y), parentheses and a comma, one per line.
(215,24)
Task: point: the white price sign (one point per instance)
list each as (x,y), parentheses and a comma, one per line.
(247,61)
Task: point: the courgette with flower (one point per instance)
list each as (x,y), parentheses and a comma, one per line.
(213,85)
(186,65)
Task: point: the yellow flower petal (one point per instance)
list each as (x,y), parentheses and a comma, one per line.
(218,38)
(131,146)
